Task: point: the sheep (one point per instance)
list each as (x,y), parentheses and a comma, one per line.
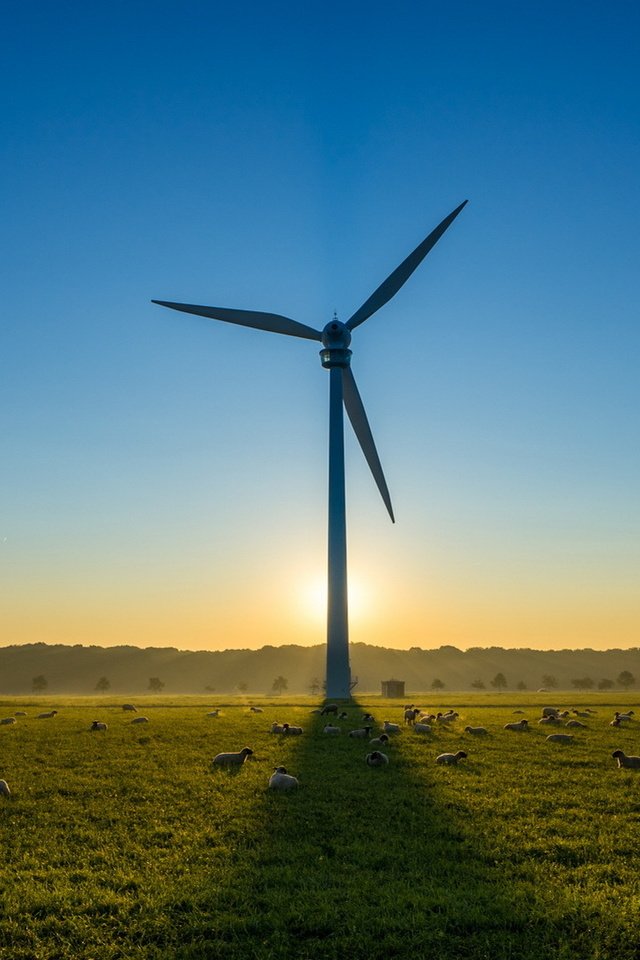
(368,718)
(256,709)
(624,717)
(445,718)
(19,713)
(390,727)
(422,728)
(410,715)
(331,729)
(361,732)
(4,788)
(288,730)
(627,713)
(276,727)
(576,723)
(6,720)
(281,780)
(98,725)
(214,713)
(517,725)
(343,716)
(451,757)
(616,722)
(232,759)
(550,721)
(581,713)
(379,741)
(476,731)
(632,763)
(550,711)
(46,716)
(451,714)
(139,720)
(560,738)
(130,707)
(426,717)
(376,759)
(329,708)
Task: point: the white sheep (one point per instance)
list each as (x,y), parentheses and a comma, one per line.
(6,720)
(390,727)
(276,727)
(550,721)
(364,732)
(576,723)
(422,727)
(329,728)
(445,718)
(410,715)
(130,707)
(550,711)
(376,759)
(4,788)
(256,709)
(368,718)
(560,738)
(139,720)
(290,731)
(581,713)
(518,725)
(46,716)
(214,713)
(329,708)
(232,759)
(281,780)
(632,763)
(451,757)
(476,731)
(20,713)
(623,717)
(98,725)
(379,741)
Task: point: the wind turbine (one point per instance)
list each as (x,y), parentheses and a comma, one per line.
(336,358)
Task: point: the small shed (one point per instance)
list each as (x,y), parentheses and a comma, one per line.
(393,688)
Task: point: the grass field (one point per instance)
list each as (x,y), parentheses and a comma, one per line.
(126,844)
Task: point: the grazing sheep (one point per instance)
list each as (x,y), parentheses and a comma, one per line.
(129,706)
(446,718)
(518,725)
(277,727)
(451,714)
(550,721)
(616,722)
(281,780)
(98,725)
(422,727)
(4,788)
(19,713)
(256,709)
(576,723)
(632,763)
(379,741)
(581,713)
(288,730)
(476,731)
(343,715)
(6,720)
(232,759)
(376,759)
(368,718)
(390,727)
(451,757)
(139,720)
(550,711)
(560,738)
(46,716)
(214,713)
(329,708)
(331,729)
(623,717)
(361,732)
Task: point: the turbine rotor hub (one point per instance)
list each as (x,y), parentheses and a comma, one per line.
(336,338)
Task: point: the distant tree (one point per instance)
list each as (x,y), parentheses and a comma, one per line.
(605,684)
(583,683)
(521,685)
(548,680)
(279,684)
(626,679)
(103,685)
(478,685)
(437,684)
(156,684)
(243,686)
(314,686)
(39,683)
(499,682)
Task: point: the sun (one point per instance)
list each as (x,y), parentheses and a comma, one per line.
(312,599)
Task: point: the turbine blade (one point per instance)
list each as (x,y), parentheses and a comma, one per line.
(272,322)
(401,274)
(355,410)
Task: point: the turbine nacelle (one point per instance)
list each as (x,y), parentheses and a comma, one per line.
(336,338)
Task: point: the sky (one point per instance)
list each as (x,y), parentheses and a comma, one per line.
(164,476)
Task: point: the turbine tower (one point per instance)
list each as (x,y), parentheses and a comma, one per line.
(343,392)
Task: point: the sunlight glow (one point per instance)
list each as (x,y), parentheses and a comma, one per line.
(312,599)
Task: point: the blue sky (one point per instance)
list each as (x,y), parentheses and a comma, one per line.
(164,476)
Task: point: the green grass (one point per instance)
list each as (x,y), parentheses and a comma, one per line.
(126,844)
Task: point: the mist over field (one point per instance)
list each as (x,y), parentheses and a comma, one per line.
(84,670)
